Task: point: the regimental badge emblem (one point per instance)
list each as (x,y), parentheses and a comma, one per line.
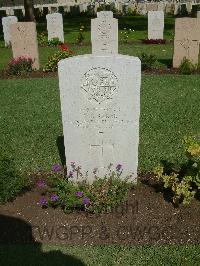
(100,84)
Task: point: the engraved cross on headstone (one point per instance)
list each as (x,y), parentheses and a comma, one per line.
(101,146)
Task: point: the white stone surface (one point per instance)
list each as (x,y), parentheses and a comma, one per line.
(105,14)
(104,35)
(198,14)
(55,26)
(155,25)
(6,22)
(100,103)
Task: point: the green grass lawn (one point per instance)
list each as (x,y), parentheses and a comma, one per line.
(31,119)
(38,255)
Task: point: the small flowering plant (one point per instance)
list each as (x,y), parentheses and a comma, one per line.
(80,37)
(22,64)
(63,52)
(57,189)
(126,35)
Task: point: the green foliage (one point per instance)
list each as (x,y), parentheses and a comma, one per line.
(54,42)
(126,34)
(186,183)
(108,192)
(52,64)
(131,12)
(100,196)
(11,181)
(42,39)
(186,67)
(20,65)
(80,37)
(148,61)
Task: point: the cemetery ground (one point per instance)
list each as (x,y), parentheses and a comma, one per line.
(31,130)
(133,46)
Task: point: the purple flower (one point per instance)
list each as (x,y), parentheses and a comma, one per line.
(118,167)
(86,201)
(43,201)
(54,197)
(41,183)
(56,168)
(79,194)
(71,174)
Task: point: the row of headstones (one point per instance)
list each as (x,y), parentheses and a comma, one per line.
(100,94)
(104,34)
(141,8)
(54,27)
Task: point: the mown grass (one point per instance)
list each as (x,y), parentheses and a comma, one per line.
(31,119)
(99,255)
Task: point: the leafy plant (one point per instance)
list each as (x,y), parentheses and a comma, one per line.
(12,182)
(20,65)
(186,67)
(62,53)
(125,34)
(54,42)
(42,39)
(148,61)
(186,183)
(80,37)
(58,190)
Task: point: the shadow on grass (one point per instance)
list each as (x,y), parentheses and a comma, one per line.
(167,62)
(14,234)
(61,149)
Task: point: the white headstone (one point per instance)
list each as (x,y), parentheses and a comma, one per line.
(104,34)
(100,103)
(6,22)
(105,14)
(55,26)
(155,25)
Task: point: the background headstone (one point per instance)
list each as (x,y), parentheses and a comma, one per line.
(100,111)
(186,41)
(6,22)
(24,41)
(155,25)
(152,6)
(55,26)
(104,34)
(105,14)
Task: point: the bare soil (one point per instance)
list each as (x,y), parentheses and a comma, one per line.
(148,217)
